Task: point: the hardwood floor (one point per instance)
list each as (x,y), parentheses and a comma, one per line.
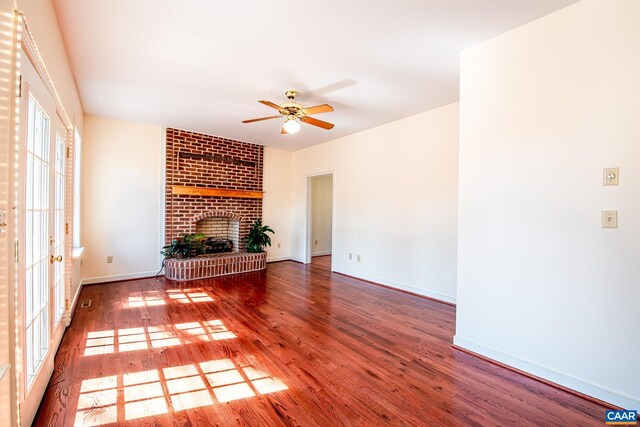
(295,345)
(323,261)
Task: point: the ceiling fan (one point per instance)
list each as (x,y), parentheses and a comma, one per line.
(293,112)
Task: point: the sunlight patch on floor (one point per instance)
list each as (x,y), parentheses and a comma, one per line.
(145,301)
(142,338)
(185,296)
(208,328)
(161,297)
(136,395)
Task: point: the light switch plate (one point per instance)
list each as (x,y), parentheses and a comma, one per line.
(610,176)
(609,219)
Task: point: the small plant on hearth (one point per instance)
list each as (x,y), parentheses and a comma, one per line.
(184,247)
(258,237)
(177,249)
(190,245)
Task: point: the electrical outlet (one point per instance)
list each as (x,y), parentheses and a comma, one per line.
(279,245)
(350,255)
(316,243)
(109,259)
(359,258)
(610,176)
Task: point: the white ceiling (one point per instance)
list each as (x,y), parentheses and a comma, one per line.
(202,65)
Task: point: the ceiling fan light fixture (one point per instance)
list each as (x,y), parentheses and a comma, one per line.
(291,126)
(294,113)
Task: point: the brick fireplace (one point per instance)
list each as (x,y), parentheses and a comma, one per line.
(213,186)
(198,164)
(220,225)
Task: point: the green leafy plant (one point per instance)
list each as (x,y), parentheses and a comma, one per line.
(184,247)
(258,237)
(177,249)
(196,241)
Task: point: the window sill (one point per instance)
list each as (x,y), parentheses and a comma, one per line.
(77,252)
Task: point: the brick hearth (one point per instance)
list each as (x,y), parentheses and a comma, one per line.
(214,265)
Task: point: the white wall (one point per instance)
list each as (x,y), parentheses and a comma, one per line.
(276,205)
(395,202)
(122,199)
(321,211)
(541,286)
(123,202)
(43,24)
(41,18)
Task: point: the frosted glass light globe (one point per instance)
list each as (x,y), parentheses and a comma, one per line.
(291,126)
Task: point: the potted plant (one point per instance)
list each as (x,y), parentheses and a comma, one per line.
(258,237)
(177,249)
(185,247)
(196,242)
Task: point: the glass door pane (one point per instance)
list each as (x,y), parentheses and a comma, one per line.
(37,238)
(59,227)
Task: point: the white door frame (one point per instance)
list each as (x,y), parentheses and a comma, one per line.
(24,50)
(30,394)
(308,225)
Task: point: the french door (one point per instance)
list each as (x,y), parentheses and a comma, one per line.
(42,241)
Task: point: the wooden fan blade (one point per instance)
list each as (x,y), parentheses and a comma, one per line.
(324,108)
(316,122)
(270,104)
(261,118)
(284,132)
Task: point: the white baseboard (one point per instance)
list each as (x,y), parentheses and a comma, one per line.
(74,303)
(399,285)
(599,392)
(278,258)
(117,277)
(321,253)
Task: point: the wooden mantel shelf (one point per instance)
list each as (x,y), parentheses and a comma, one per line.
(204,191)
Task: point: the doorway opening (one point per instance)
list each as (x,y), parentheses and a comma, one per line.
(320,218)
